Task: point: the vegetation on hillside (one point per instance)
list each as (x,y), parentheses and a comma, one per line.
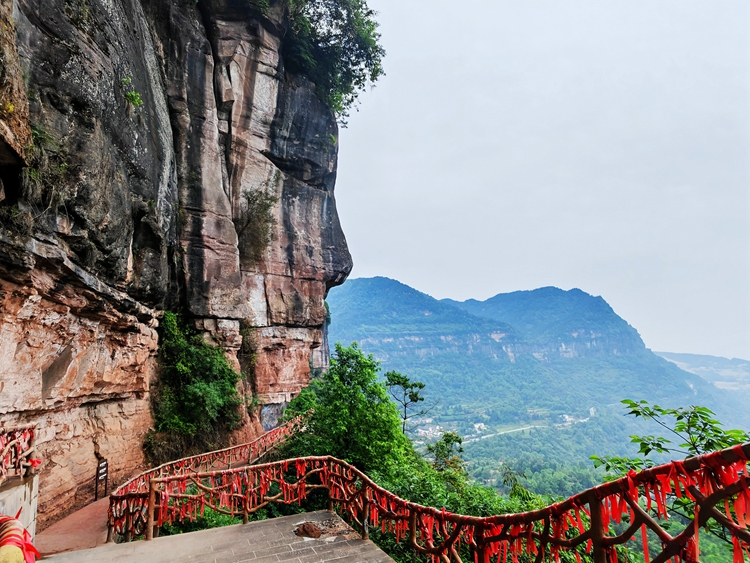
(550,314)
(337,45)
(255,223)
(196,401)
(508,404)
(354,420)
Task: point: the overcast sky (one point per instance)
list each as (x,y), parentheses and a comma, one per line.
(601,145)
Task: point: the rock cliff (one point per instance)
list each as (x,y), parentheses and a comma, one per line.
(129,131)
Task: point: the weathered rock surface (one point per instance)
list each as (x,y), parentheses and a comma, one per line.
(125,210)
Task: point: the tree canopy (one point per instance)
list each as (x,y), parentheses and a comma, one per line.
(353,418)
(337,45)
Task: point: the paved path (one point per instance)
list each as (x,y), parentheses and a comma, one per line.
(82,529)
(258,542)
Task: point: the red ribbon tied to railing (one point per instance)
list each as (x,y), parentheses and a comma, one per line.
(579,524)
(16,447)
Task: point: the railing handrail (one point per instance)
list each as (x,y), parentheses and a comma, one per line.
(280,432)
(137,487)
(597,492)
(707,479)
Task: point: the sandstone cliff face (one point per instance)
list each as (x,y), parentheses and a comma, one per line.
(125,210)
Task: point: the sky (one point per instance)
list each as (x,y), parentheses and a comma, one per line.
(597,144)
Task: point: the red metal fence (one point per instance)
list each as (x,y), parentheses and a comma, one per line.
(716,482)
(16,447)
(127,504)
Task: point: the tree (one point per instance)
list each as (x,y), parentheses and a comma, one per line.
(353,418)
(195,402)
(695,427)
(255,223)
(336,44)
(406,393)
(445,452)
(197,385)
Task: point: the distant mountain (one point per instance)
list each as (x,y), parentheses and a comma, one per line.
(515,357)
(391,319)
(725,373)
(571,323)
(533,379)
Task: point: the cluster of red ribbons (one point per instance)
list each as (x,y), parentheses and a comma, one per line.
(235,491)
(716,484)
(16,445)
(128,503)
(14,534)
(507,537)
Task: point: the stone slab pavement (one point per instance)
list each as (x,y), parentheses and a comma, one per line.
(266,541)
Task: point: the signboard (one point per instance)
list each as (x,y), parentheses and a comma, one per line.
(102,476)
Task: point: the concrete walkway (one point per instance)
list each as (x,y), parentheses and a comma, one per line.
(258,542)
(82,529)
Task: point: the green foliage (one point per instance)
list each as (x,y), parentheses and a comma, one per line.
(536,410)
(196,397)
(445,453)
(134,98)
(255,224)
(336,44)
(512,482)
(695,427)
(698,432)
(131,95)
(46,180)
(248,354)
(210,519)
(406,393)
(353,418)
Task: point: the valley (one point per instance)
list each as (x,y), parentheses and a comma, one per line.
(531,380)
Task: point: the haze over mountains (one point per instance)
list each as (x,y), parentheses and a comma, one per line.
(725,373)
(545,358)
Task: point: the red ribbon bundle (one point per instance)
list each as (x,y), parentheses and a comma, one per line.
(13,533)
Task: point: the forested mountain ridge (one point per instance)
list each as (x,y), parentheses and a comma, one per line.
(569,323)
(541,357)
(391,319)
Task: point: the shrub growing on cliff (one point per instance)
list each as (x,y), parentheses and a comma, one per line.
(196,397)
(256,221)
(336,44)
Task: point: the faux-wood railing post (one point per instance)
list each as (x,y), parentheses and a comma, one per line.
(329,488)
(150,513)
(246,508)
(597,532)
(365,517)
(128,524)
(480,545)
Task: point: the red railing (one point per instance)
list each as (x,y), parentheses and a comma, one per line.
(581,524)
(16,445)
(127,504)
